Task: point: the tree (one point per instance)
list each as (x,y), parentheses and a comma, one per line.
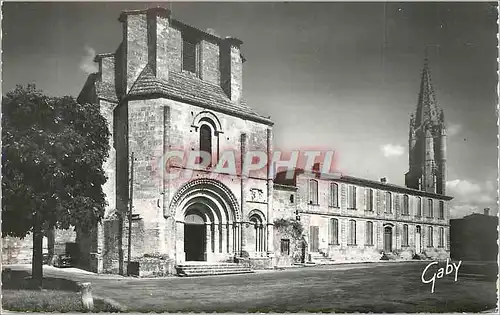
(53,150)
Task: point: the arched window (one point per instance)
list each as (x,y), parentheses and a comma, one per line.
(334,231)
(388,202)
(441,237)
(419,207)
(430,213)
(313,192)
(258,232)
(431,237)
(405,235)
(334,195)
(369,233)
(206,141)
(352,232)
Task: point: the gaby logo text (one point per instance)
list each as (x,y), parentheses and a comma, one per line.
(452,268)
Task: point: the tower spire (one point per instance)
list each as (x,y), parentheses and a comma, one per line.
(427,152)
(427,110)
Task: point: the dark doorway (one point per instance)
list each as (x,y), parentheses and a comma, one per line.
(195,236)
(388,239)
(194,242)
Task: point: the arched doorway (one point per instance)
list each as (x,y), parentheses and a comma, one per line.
(207,220)
(388,239)
(195,240)
(418,239)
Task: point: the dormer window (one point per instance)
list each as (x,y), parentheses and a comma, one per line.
(190,48)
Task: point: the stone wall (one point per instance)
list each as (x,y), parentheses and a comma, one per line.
(19,251)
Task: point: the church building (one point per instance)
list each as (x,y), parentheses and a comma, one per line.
(170,86)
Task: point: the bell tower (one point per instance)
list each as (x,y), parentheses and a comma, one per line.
(427,141)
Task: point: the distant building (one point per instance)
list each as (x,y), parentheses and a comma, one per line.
(474,237)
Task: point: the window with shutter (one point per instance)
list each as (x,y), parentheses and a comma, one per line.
(334,231)
(441,237)
(430,210)
(369,199)
(388,202)
(369,233)
(405,235)
(351,197)
(430,237)
(352,232)
(406,204)
(334,195)
(313,192)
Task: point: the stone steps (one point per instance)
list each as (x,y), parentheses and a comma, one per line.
(197,269)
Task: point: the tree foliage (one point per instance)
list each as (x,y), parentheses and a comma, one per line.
(53,150)
(293,227)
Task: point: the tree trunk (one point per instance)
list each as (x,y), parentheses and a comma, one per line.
(37,260)
(51,245)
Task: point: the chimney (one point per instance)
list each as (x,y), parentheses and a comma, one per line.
(231,68)
(383,180)
(145,42)
(316,167)
(106,64)
(486,211)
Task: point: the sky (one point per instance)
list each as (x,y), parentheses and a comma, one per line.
(340,76)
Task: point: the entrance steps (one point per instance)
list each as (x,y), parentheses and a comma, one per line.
(320,259)
(189,269)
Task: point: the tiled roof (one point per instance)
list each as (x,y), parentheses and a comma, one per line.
(185,87)
(282,179)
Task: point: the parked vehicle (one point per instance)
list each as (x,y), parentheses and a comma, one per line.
(45,258)
(62,261)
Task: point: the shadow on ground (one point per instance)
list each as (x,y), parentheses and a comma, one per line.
(22,280)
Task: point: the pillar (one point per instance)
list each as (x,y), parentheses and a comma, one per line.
(224,240)
(236,238)
(179,241)
(216,236)
(208,242)
(243,244)
(230,235)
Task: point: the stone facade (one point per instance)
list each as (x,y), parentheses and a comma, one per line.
(379,218)
(160,104)
(172,88)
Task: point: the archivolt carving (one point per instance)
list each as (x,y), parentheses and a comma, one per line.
(209,184)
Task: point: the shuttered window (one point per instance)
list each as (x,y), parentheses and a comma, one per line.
(369,199)
(351,197)
(405,205)
(313,192)
(369,233)
(352,232)
(388,202)
(334,231)
(334,195)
